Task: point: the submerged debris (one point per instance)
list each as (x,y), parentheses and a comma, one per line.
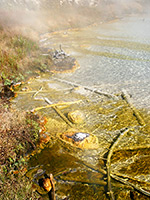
(59,54)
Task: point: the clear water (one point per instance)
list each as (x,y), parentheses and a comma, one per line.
(112,56)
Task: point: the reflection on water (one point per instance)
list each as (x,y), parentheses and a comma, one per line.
(112,56)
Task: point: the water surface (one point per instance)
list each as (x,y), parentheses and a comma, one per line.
(112,56)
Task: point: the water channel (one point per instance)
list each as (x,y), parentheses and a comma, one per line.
(112,56)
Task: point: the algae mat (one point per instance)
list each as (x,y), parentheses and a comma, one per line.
(80,166)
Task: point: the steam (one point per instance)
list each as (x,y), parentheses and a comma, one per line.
(38,16)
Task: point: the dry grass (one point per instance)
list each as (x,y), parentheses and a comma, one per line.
(19,132)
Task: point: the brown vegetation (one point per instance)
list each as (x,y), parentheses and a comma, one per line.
(19,132)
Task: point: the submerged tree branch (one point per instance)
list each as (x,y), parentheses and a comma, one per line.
(108,164)
(139,189)
(55,104)
(127,98)
(59,113)
(87,88)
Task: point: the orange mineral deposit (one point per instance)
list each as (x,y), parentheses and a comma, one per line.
(47,184)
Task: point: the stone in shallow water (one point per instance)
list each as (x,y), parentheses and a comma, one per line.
(77,137)
(76,117)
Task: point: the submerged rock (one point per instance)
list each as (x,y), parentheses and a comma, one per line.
(80,139)
(76,117)
(47,184)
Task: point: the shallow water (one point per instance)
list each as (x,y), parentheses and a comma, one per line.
(79,170)
(112,56)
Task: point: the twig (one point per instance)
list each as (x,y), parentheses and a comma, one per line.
(87,88)
(108,164)
(101,183)
(34,95)
(59,113)
(92,168)
(127,98)
(56,104)
(139,189)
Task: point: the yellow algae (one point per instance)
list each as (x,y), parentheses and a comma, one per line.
(76,117)
(54,126)
(77,163)
(91,142)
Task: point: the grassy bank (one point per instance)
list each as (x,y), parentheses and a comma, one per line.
(20,59)
(19,133)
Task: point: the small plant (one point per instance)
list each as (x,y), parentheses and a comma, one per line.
(23,45)
(8,60)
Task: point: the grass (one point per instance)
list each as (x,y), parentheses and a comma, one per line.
(19,55)
(19,133)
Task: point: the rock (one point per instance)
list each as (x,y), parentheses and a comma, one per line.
(80,139)
(76,117)
(47,184)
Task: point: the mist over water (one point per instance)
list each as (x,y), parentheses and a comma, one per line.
(112,57)
(50,15)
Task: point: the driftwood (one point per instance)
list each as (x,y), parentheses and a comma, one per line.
(87,88)
(127,98)
(59,112)
(30,141)
(108,164)
(55,104)
(139,189)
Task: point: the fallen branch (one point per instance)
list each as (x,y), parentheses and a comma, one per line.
(101,183)
(129,177)
(59,112)
(87,88)
(56,104)
(108,164)
(34,95)
(139,189)
(92,168)
(127,98)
